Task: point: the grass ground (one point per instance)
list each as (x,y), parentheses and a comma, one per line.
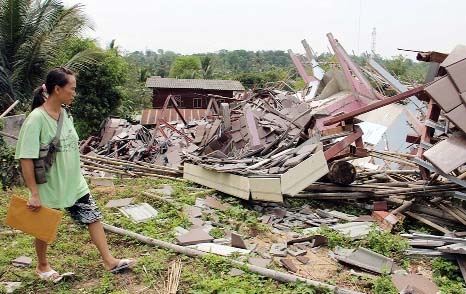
(74,251)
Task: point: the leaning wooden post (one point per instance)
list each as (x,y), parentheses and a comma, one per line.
(9,109)
(279,276)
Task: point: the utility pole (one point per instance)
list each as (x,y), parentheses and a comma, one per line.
(374,36)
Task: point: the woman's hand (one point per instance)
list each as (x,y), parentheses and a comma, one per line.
(34,202)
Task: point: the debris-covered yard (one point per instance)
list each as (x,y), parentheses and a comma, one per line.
(338,188)
(226,217)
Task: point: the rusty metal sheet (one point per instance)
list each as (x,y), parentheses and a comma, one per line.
(448,154)
(444,92)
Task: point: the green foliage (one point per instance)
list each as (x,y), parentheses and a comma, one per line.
(335,238)
(385,243)
(447,276)
(186,67)
(29,34)
(405,69)
(9,167)
(100,92)
(384,285)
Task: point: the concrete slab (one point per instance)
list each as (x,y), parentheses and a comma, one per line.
(194,236)
(266,189)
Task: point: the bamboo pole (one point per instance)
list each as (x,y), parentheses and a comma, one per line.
(8,135)
(130,164)
(9,109)
(279,276)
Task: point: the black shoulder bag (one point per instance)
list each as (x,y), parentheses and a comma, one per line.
(47,154)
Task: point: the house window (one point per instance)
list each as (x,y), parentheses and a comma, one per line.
(197,102)
(179,101)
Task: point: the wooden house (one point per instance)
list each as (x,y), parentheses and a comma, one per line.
(190,93)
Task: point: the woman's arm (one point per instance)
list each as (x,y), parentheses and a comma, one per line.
(27,167)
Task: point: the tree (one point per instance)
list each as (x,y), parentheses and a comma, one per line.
(206,67)
(186,67)
(100,88)
(100,92)
(30,34)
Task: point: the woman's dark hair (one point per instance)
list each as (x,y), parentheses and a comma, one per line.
(56,77)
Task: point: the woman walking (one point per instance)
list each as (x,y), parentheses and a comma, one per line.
(65,186)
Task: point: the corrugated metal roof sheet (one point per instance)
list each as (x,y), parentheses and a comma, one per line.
(170,83)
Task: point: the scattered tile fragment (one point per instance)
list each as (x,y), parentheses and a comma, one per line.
(364,218)
(414,281)
(261,262)
(234,272)
(237,241)
(289,264)
(192,211)
(278,249)
(119,202)
(22,261)
(218,249)
(319,240)
(299,240)
(215,203)
(139,212)
(10,287)
(194,236)
(296,251)
(102,182)
(303,259)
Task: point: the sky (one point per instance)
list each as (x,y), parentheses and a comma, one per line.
(203,26)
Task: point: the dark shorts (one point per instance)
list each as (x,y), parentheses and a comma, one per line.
(85,211)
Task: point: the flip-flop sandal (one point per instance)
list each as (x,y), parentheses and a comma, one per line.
(53,276)
(123,264)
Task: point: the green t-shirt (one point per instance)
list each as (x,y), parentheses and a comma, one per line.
(65,182)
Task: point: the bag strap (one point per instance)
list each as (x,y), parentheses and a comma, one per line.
(56,140)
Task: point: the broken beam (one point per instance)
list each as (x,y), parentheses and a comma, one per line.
(373,106)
